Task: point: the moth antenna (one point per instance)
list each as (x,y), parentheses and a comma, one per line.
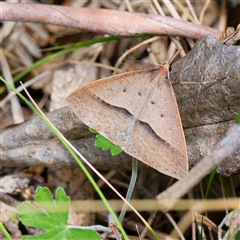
(174,56)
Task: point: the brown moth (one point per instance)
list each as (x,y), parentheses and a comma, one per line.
(138,112)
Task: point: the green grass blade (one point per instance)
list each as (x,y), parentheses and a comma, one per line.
(210,180)
(5,232)
(70,49)
(62,53)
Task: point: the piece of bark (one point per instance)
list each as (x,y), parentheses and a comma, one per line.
(207,84)
(18,149)
(217,67)
(32,143)
(206,114)
(201,140)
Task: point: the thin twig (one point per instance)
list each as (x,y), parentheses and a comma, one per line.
(16,109)
(119,61)
(104,21)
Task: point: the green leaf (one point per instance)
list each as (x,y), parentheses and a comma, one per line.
(105,144)
(115,150)
(65,233)
(102,142)
(213,173)
(51,215)
(92,130)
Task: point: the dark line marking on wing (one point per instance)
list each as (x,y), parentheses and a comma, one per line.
(126,112)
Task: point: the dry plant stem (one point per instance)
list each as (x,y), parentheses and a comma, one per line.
(104,21)
(210,205)
(150,221)
(16,109)
(129,7)
(185,13)
(223,16)
(108,176)
(119,61)
(234,36)
(228,145)
(178,45)
(184,223)
(175,226)
(20,88)
(158,8)
(89,164)
(95,228)
(206,221)
(192,11)
(194,231)
(100,65)
(171,9)
(203,11)
(93,59)
(174,56)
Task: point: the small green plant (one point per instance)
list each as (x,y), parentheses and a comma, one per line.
(51,215)
(105,144)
